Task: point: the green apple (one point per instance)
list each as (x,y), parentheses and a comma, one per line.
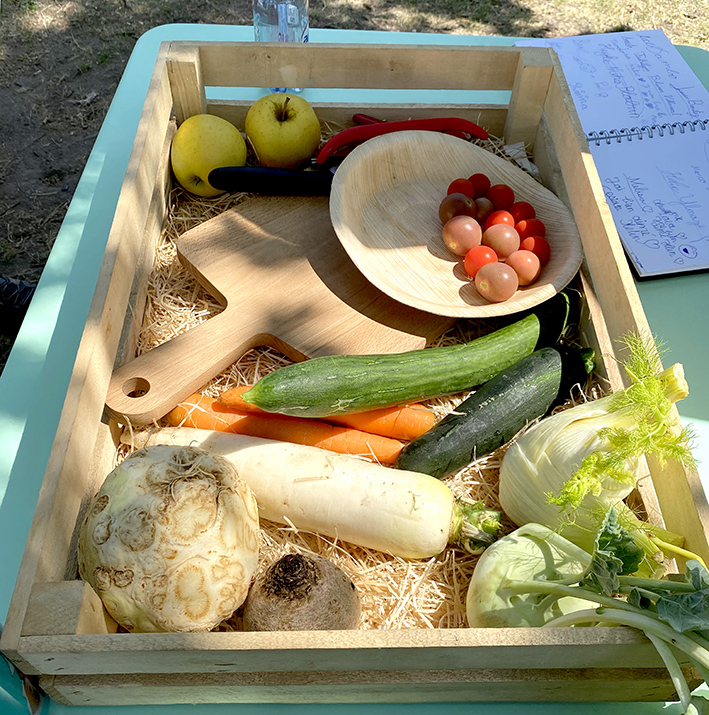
(283,130)
(201,143)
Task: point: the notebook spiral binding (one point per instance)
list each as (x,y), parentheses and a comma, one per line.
(618,135)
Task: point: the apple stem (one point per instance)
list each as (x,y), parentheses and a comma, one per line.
(284,110)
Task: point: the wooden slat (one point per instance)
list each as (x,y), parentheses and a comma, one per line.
(459,685)
(683,502)
(185,72)
(133,324)
(528,96)
(64,608)
(339,116)
(368,66)
(613,282)
(344,650)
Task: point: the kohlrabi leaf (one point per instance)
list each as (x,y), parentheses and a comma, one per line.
(688,611)
(697,575)
(615,554)
(642,598)
(617,540)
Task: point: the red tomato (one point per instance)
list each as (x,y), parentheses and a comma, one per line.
(538,246)
(526,265)
(531,227)
(521,210)
(461,186)
(499,217)
(502,196)
(481,184)
(478,257)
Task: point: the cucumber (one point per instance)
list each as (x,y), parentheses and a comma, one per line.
(497,411)
(336,384)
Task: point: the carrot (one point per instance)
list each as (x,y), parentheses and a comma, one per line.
(208,413)
(404,422)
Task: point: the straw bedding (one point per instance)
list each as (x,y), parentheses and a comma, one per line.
(395,593)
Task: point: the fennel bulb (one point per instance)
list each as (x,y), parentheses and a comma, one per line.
(568,469)
(171,540)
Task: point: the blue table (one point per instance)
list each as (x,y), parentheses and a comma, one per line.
(35,379)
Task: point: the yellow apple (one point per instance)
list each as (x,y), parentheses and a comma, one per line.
(201,143)
(283,130)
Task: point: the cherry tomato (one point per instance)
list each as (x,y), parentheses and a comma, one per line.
(499,217)
(521,210)
(503,239)
(461,186)
(455,205)
(526,265)
(539,246)
(485,208)
(461,233)
(481,184)
(496,282)
(502,196)
(477,257)
(531,227)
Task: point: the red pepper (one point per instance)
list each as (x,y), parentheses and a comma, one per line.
(363,132)
(368,119)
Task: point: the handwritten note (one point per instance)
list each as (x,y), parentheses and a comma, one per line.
(658,192)
(625,85)
(628,79)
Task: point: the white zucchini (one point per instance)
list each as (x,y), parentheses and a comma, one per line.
(404,513)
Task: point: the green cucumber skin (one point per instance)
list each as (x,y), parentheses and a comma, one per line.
(496,412)
(339,384)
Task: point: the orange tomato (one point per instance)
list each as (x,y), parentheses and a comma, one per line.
(477,257)
(499,217)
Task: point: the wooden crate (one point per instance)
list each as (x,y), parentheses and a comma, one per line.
(56,627)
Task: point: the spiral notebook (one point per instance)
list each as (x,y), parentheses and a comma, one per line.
(646,119)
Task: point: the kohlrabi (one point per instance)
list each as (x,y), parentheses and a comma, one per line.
(535,577)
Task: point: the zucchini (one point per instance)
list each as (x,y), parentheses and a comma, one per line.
(497,411)
(337,384)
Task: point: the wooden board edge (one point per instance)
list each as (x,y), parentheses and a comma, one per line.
(320,650)
(357,65)
(413,686)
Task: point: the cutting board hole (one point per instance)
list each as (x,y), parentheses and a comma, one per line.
(136,387)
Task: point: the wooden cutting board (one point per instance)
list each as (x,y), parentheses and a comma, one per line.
(286,282)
